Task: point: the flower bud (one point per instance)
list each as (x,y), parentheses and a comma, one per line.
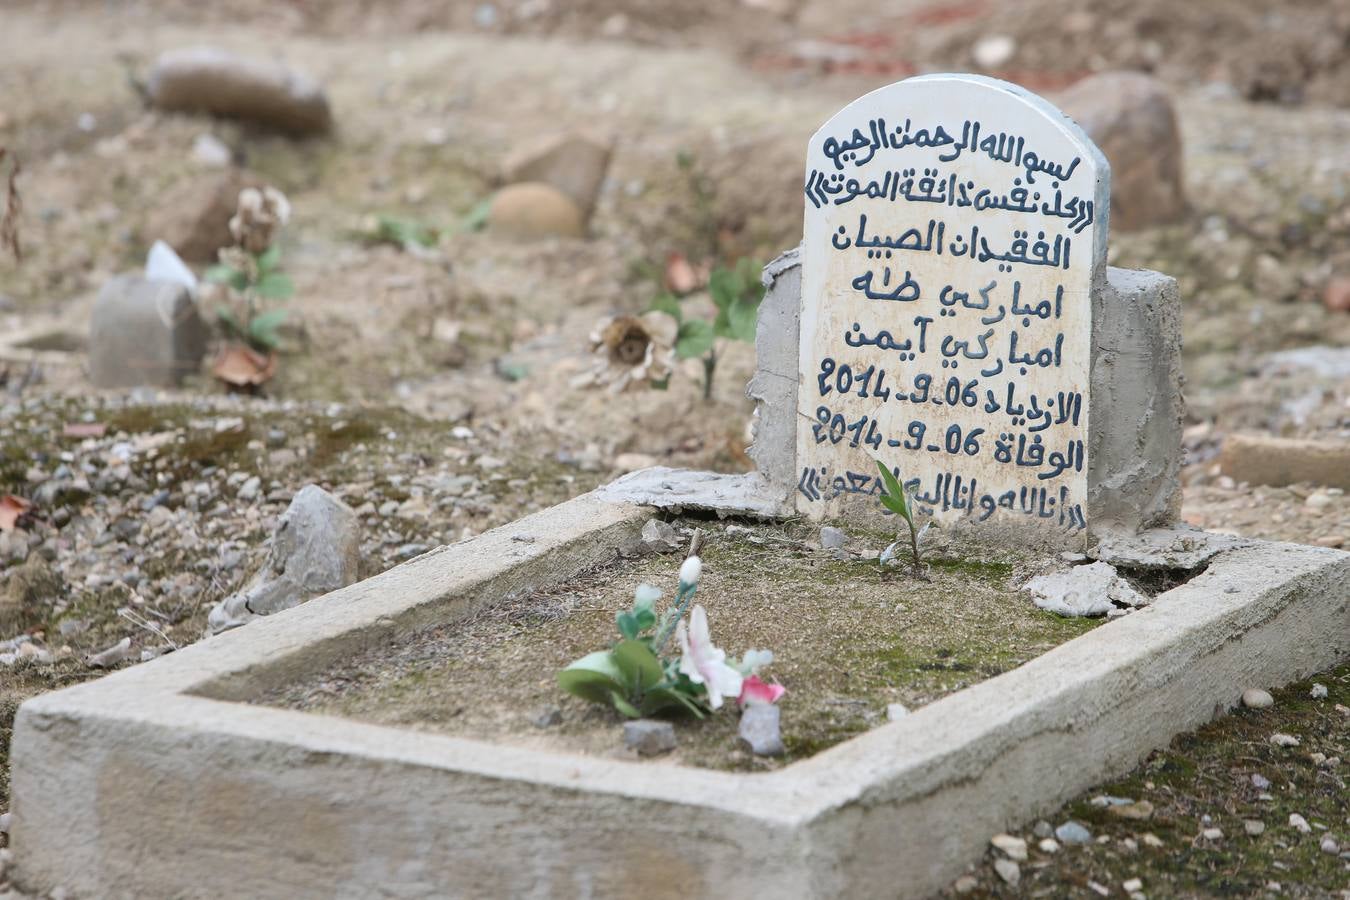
(691,570)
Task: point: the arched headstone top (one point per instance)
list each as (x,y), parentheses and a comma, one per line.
(955,232)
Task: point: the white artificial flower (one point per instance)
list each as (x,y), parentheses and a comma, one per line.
(704,663)
(691,570)
(646,595)
(754,660)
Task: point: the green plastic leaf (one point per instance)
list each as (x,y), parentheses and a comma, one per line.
(661,698)
(628,625)
(622,705)
(894,498)
(269,259)
(275,286)
(645,618)
(222,274)
(723,288)
(667,304)
(638,663)
(694,339)
(593,677)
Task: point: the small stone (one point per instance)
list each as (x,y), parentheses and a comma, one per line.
(1100,889)
(1042,829)
(1276,461)
(1299,824)
(1013,847)
(1139,810)
(534,210)
(660,536)
(1329,845)
(106,659)
(1212,834)
(1151,840)
(1254,827)
(965,884)
(896,711)
(631,462)
(759,729)
(144,332)
(1255,698)
(573,163)
(249,489)
(1092,590)
(1318,692)
(649,737)
(1073,833)
(547,717)
(1284,740)
(1009,871)
(1317,758)
(1260,782)
(211,151)
(1132,886)
(832,538)
(276,438)
(993,50)
(1048,845)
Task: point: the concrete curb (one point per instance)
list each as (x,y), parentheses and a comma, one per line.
(155,782)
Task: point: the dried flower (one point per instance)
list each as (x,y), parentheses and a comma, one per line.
(634,351)
(258,217)
(704,663)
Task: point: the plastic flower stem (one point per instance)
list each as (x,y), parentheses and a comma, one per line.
(682,598)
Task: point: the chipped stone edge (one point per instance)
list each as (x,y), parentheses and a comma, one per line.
(159,756)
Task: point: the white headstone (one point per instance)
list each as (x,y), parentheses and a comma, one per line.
(955,232)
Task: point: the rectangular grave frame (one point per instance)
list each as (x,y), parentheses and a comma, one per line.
(157,781)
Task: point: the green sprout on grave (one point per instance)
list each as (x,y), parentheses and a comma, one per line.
(895,499)
(736,293)
(638,678)
(252,270)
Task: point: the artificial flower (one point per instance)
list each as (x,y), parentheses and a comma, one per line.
(755,690)
(260,214)
(754,660)
(691,571)
(704,663)
(634,351)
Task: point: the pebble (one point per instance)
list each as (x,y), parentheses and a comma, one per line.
(1013,847)
(832,538)
(1318,692)
(1009,871)
(1212,834)
(1254,827)
(1255,698)
(993,50)
(1073,833)
(547,717)
(896,711)
(1139,810)
(1329,845)
(1299,824)
(759,729)
(1134,885)
(249,489)
(1048,845)
(965,884)
(110,657)
(1259,781)
(649,737)
(1151,840)
(1042,829)
(1284,740)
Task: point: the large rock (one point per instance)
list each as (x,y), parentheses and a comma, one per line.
(534,210)
(316,549)
(210,80)
(1263,459)
(1130,117)
(194,217)
(573,163)
(144,332)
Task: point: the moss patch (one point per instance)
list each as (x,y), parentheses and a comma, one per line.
(848,637)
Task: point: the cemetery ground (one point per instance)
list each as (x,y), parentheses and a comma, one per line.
(429,387)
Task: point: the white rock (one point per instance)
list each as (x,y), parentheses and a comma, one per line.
(1013,847)
(1318,692)
(994,50)
(110,657)
(1048,845)
(1329,845)
(832,538)
(1212,834)
(211,151)
(1132,885)
(1299,824)
(1284,740)
(759,729)
(1008,870)
(896,711)
(1092,590)
(1255,698)
(1254,827)
(649,737)
(660,536)
(1073,833)
(965,884)
(163,264)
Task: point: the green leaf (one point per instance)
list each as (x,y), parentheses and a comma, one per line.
(275,286)
(623,706)
(667,304)
(222,274)
(639,665)
(230,322)
(722,286)
(694,339)
(269,259)
(645,618)
(628,625)
(742,319)
(894,498)
(476,218)
(593,677)
(660,698)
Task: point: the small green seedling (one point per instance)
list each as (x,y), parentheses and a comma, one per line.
(897,501)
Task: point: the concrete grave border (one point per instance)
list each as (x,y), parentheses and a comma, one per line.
(156,782)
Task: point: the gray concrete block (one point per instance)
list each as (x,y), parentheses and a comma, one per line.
(144,333)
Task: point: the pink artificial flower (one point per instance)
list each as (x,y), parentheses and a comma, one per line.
(704,663)
(755,690)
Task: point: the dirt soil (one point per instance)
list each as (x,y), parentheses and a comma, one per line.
(848,638)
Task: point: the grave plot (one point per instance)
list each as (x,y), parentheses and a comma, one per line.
(368,738)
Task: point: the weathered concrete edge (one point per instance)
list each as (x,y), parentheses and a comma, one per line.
(996,754)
